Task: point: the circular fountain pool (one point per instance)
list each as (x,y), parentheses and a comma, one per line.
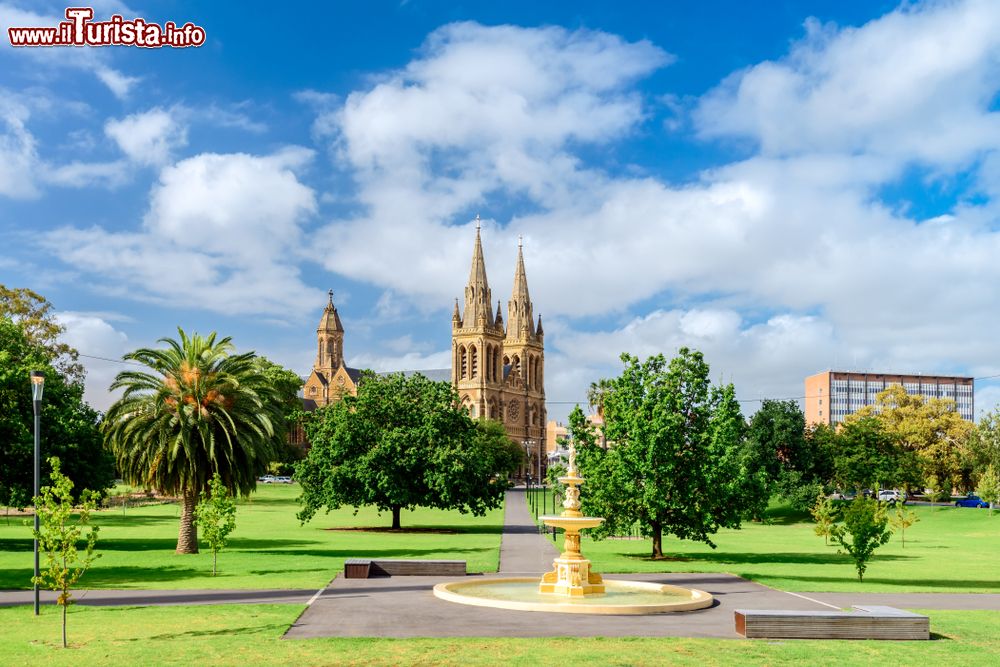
(620,597)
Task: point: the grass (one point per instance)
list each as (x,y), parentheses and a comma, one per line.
(251,634)
(950,550)
(268,549)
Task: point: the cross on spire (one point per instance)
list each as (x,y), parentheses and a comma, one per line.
(477,222)
(331,297)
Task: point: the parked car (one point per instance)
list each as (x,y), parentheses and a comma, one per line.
(283,480)
(891,496)
(971,500)
(268,479)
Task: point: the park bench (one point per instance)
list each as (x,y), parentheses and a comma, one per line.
(365,568)
(865,622)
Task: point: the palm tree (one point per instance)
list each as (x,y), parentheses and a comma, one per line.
(200,410)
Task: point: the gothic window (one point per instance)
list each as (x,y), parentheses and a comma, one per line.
(462,353)
(492,414)
(475,361)
(312,390)
(516,364)
(497,370)
(486,363)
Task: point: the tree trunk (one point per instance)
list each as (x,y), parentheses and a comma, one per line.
(215,560)
(187,539)
(395,516)
(64,624)
(657,530)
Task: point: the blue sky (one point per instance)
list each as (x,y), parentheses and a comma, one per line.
(786,186)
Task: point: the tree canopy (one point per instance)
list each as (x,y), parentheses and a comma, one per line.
(930,428)
(404,442)
(32,313)
(675,465)
(198,411)
(68,425)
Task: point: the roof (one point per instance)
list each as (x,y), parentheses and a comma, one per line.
(433,374)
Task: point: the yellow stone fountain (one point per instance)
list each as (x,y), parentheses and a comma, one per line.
(571,573)
(571,586)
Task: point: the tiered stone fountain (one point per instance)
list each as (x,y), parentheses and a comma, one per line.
(571,586)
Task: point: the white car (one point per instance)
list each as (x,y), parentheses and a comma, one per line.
(891,496)
(268,479)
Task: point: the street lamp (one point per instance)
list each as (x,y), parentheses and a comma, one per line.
(37,387)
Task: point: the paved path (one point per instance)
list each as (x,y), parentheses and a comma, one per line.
(120,598)
(961,601)
(523,550)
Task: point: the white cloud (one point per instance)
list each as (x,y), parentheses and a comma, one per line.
(18,155)
(915,84)
(93,336)
(482,110)
(148,138)
(93,60)
(222,233)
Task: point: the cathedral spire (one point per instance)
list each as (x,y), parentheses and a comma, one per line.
(519,308)
(330,321)
(499,317)
(478,297)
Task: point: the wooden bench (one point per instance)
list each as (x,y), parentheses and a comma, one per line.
(865,622)
(365,568)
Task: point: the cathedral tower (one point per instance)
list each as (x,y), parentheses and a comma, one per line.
(477,343)
(498,371)
(330,379)
(524,353)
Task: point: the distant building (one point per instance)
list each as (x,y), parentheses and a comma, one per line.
(557,432)
(832,395)
(330,379)
(498,368)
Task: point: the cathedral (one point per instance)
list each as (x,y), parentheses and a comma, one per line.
(330,379)
(497,369)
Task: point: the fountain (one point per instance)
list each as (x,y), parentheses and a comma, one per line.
(571,586)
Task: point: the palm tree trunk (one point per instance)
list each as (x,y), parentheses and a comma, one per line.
(187,539)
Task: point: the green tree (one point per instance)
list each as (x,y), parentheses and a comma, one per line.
(32,313)
(779,456)
(676,444)
(989,486)
(199,410)
(866,456)
(865,529)
(824,513)
(216,516)
(932,429)
(58,535)
(69,427)
(286,385)
(901,519)
(404,442)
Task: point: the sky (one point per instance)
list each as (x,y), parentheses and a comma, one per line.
(788,187)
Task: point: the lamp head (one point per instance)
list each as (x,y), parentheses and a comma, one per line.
(37,385)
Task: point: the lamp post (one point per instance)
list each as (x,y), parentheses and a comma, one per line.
(37,386)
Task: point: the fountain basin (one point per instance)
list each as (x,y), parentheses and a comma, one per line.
(575,523)
(620,597)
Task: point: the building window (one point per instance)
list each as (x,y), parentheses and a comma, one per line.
(820,413)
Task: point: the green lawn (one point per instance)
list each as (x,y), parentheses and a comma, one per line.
(268,549)
(250,634)
(950,550)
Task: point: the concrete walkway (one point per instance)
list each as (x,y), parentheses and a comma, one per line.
(523,550)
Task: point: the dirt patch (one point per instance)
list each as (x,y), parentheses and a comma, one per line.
(383,529)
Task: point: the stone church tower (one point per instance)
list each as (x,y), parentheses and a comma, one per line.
(498,371)
(330,379)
